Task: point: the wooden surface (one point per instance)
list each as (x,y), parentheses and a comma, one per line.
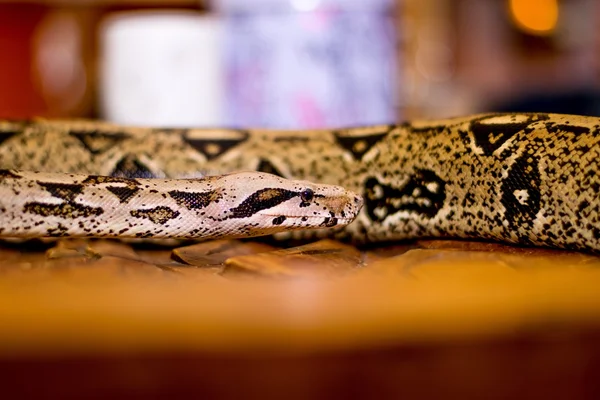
(324,320)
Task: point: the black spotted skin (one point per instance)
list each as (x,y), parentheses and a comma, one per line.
(159,215)
(529,179)
(195,200)
(66,210)
(124,193)
(64,191)
(212,149)
(358,142)
(97,141)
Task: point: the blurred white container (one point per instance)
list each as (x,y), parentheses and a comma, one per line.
(309,63)
(161,68)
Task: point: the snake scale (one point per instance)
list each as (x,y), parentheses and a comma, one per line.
(523,178)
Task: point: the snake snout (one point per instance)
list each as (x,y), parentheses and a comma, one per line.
(358,202)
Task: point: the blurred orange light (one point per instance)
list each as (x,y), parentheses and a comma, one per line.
(535,16)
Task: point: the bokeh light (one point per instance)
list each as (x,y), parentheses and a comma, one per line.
(538,17)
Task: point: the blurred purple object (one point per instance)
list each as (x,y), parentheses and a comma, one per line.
(309,63)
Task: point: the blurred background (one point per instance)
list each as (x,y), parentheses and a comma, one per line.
(102,321)
(296,63)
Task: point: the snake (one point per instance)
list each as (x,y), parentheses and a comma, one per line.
(529,179)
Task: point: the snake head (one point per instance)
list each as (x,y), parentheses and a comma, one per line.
(269,204)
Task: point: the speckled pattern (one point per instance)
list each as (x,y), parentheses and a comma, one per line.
(530,179)
(243,204)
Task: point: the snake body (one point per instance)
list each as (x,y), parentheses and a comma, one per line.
(530,179)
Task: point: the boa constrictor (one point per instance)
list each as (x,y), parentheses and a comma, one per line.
(529,179)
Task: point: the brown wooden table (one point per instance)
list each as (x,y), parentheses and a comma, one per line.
(234,319)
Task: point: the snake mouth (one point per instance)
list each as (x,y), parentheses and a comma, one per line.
(310,221)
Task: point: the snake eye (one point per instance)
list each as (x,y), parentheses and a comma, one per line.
(307,195)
